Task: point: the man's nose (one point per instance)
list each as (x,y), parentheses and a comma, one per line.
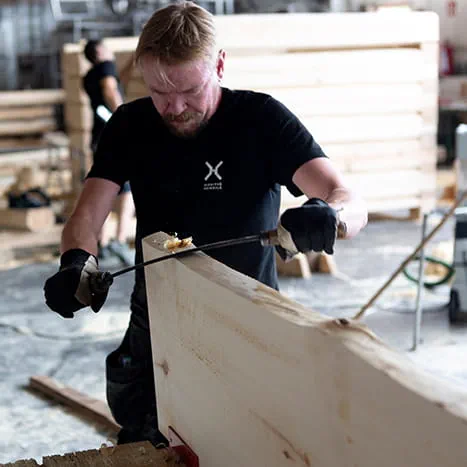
(176,105)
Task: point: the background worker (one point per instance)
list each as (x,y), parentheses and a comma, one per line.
(105,91)
(203,161)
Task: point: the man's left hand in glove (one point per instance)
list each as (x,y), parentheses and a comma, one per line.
(69,289)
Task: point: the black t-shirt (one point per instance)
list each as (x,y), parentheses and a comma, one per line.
(224,183)
(92,86)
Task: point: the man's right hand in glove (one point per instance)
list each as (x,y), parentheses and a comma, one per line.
(68,290)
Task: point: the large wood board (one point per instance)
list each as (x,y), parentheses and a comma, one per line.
(250,378)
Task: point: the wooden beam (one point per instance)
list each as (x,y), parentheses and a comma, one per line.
(85,405)
(27,127)
(132,454)
(249,377)
(29,219)
(26,113)
(37,97)
(308,69)
(315,31)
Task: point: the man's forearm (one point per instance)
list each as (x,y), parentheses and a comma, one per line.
(351,209)
(78,233)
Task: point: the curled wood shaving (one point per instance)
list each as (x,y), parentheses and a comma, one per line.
(176,243)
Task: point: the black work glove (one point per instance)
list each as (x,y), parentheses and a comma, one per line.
(69,289)
(312,226)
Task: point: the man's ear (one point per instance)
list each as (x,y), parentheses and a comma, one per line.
(220,64)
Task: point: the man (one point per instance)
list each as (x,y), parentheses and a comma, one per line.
(102,84)
(203,161)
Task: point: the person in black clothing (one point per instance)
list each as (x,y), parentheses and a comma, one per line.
(203,161)
(102,85)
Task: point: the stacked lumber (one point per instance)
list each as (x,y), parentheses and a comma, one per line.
(78,113)
(27,119)
(365,84)
(248,377)
(30,112)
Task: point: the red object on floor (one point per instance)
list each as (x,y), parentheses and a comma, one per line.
(446,59)
(188,457)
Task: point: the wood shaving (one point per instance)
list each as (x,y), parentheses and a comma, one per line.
(176,243)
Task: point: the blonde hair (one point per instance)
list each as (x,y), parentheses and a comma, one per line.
(177,33)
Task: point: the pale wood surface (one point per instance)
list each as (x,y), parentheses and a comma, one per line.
(27,127)
(364,84)
(250,378)
(30,219)
(325,31)
(86,405)
(25,113)
(31,97)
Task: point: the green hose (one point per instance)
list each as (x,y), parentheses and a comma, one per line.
(431,284)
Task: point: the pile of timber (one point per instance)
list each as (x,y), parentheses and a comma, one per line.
(29,112)
(365,84)
(77,109)
(28,131)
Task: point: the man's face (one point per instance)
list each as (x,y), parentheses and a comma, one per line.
(187,99)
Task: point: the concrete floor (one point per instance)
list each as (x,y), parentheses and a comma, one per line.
(35,341)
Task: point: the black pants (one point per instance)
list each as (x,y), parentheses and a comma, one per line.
(130,383)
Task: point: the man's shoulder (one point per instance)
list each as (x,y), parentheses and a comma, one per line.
(138,111)
(247,97)
(143,104)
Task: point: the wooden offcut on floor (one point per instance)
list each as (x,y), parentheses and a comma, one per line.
(126,455)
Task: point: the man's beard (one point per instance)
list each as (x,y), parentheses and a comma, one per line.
(196,121)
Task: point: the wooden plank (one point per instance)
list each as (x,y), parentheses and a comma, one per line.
(360,129)
(26,97)
(95,409)
(136,89)
(352,100)
(385,66)
(7,144)
(298,266)
(74,90)
(73,61)
(325,30)
(379,185)
(80,140)
(284,385)
(78,116)
(395,183)
(361,157)
(24,113)
(31,157)
(21,463)
(30,219)
(27,127)
(133,454)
